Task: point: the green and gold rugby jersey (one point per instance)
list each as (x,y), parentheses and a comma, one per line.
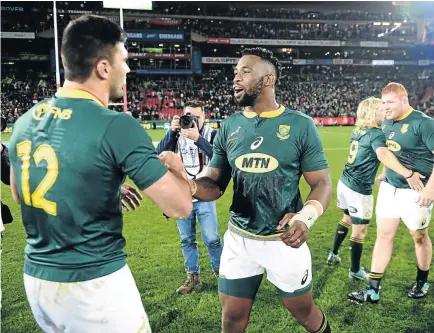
(362,164)
(266,157)
(70,156)
(411,139)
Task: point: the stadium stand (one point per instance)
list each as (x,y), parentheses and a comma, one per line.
(319,81)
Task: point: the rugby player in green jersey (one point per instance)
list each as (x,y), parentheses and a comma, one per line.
(368,148)
(70,155)
(410,136)
(265,150)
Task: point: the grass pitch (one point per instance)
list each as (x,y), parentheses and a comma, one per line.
(155,258)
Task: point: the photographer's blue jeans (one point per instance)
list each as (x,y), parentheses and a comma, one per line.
(207,216)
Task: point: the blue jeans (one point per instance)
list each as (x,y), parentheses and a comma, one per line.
(207,216)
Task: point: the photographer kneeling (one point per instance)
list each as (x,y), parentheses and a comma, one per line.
(192,141)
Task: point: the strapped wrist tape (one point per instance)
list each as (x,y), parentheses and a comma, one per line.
(309,214)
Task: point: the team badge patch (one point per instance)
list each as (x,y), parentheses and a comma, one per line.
(404,128)
(283,132)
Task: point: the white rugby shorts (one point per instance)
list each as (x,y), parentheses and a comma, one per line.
(109,304)
(401,203)
(359,206)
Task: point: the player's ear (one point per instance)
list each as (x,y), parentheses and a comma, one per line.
(269,80)
(102,69)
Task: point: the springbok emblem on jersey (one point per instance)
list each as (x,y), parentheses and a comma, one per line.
(283,132)
(404,128)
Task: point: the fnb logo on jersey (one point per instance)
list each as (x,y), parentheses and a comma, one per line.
(256,163)
(393,146)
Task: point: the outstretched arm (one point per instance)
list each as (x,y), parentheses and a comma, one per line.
(213,185)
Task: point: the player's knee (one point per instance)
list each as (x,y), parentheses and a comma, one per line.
(234,317)
(303,314)
(420,238)
(346,218)
(360,231)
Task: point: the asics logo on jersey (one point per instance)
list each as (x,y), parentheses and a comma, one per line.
(258,141)
(256,163)
(391,135)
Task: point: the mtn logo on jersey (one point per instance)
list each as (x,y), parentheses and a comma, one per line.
(392,145)
(258,141)
(256,163)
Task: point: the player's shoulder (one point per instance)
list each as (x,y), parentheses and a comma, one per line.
(375,133)
(26,120)
(419,121)
(374,130)
(233,120)
(419,115)
(297,118)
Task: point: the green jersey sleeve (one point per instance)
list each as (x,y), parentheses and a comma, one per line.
(312,155)
(130,148)
(427,132)
(220,158)
(378,139)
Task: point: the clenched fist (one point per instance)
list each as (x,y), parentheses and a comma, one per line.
(174,163)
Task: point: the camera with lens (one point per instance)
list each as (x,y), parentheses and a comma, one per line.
(187,121)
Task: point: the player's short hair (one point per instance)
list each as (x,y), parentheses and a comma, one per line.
(367,112)
(86,41)
(396,88)
(267,56)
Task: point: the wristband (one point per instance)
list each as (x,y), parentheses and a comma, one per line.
(309,214)
(412,173)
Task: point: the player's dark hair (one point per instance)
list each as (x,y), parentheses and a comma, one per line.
(265,55)
(86,41)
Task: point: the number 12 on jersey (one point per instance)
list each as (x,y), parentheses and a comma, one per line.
(43,152)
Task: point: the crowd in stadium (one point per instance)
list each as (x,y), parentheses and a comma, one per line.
(325,92)
(277,30)
(268,12)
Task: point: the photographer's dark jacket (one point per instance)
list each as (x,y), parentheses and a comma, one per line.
(6,215)
(195,155)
